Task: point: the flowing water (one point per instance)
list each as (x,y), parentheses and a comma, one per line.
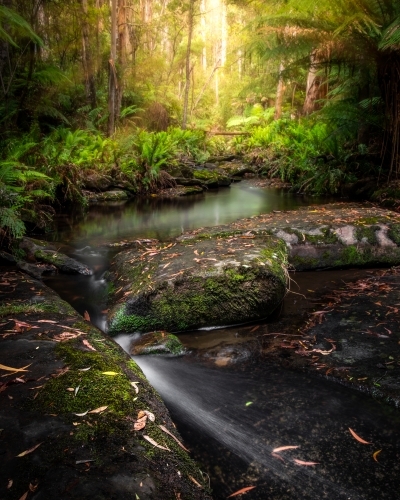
(233,418)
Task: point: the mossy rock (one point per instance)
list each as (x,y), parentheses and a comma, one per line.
(70,367)
(212,178)
(157,343)
(219,280)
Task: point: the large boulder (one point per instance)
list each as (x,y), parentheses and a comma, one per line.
(197,282)
(78,418)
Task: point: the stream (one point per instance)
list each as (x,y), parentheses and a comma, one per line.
(233,417)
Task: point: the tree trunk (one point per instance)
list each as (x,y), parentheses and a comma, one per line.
(279,93)
(112,79)
(187,64)
(123,40)
(315,89)
(87,58)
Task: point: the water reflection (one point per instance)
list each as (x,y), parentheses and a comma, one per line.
(166,218)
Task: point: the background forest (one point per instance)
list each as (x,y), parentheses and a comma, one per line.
(129,89)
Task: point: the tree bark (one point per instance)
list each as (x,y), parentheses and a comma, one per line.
(187,64)
(87,58)
(315,85)
(279,93)
(112,78)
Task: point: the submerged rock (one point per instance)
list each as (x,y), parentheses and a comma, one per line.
(157,343)
(220,280)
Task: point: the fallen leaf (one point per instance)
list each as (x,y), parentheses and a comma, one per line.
(88,344)
(84,461)
(355,436)
(150,415)
(99,410)
(249,403)
(84,369)
(26,452)
(283,448)
(81,414)
(10,483)
(140,423)
(154,443)
(195,482)
(240,492)
(276,455)
(173,437)
(46,321)
(76,391)
(133,384)
(375,455)
(14,370)
(110,373)
(86,315)
(301,462)
(70,389)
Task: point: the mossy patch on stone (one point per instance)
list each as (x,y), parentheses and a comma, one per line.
(202,282)
(158,342)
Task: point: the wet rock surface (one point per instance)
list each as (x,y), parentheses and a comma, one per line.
(327,236)
(70,400)
(162,343)
(43,252)
(218,280)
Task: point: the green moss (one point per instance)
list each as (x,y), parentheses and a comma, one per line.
(394,233)
(58,307)
(367,232)
(174,345)
(206,175)
(50,258)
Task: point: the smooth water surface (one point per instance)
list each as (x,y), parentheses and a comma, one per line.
(166,218)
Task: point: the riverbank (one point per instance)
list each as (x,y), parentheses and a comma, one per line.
(77,415)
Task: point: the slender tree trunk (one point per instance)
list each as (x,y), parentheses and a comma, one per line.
(315,84)
(187,64)
(87,58)
(123,40)
(112,81)
(279,93)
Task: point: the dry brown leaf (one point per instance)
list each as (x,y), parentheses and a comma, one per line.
(282,448)
(173,437)
(301,462)
(99,410)
(154,443)
(14,370)
(375,455)
(86,315)
(276,455)
(357,437)
(26,452)
(140,423)
(240,492)
(88,344)
(195,482)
